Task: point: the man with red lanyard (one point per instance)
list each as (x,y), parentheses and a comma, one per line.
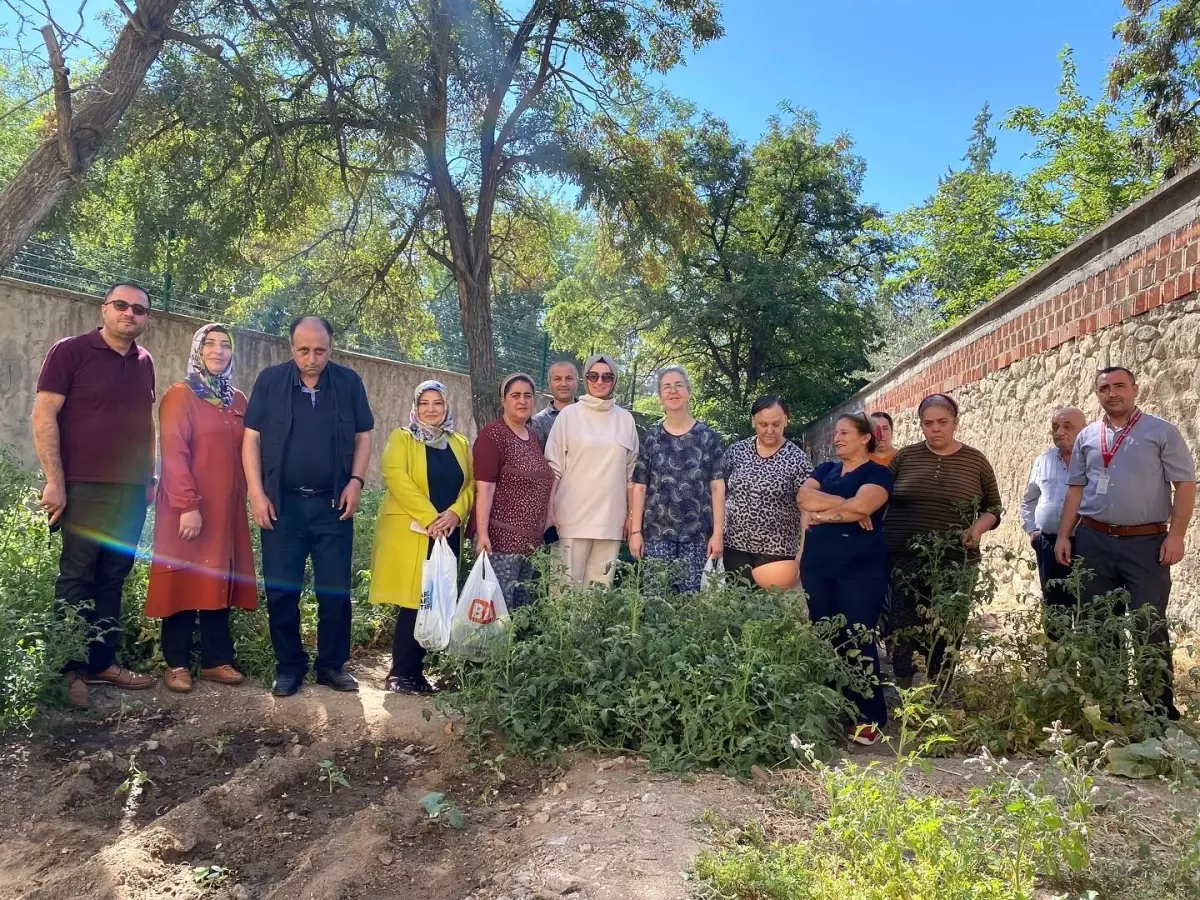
(1131,529)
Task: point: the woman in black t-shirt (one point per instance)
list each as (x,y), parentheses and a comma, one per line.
(844,563)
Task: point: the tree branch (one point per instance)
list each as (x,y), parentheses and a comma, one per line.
(62,101)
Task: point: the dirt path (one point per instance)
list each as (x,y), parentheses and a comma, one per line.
(230,804)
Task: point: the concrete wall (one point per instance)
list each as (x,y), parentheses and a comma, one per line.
(36,316)
(1124,295)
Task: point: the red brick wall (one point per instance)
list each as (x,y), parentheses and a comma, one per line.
(1161,272)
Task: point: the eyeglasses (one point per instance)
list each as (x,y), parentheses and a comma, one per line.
(606,377)
(122,306)
(674,388)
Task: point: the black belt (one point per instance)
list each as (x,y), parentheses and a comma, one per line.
(310,492)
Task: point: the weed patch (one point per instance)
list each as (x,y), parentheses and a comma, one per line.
(720,679)
(34,641)
(1023,834)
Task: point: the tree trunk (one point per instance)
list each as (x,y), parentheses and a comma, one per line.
(475,307)
(45,177)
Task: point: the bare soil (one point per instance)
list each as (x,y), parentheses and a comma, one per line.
(230,805)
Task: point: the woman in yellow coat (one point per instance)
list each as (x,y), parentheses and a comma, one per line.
(430,488)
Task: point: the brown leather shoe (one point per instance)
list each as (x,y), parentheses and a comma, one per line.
(178,680)
(77,690)
(223,675)
(122,678)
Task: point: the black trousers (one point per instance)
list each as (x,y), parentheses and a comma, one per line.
(308,527)
(216,643)
(101,527)
(858,593)
(1132,563)
(1050,569)
(408,657)
(912,629)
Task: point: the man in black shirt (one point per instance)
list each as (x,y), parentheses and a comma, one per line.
(308,441)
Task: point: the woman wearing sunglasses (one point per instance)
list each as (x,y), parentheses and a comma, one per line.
(203,565)
(592,449)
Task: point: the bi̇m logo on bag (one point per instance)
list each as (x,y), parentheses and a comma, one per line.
(481,611)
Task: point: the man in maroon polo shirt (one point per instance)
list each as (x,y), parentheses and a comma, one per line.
(93,428)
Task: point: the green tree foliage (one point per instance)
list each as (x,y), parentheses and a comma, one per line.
(1158,72)
(755,277)
(1087,171)
(22,113)
(437,116)
(961,243)
(983,230)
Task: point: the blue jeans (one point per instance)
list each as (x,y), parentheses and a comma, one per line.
(308,526)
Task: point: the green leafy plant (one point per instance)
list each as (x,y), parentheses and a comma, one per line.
(1027,832)
(722,678)
(1097,676)
(439,807)
(209,877)
(35,639)
(332,775)
(218,745)
(135,781)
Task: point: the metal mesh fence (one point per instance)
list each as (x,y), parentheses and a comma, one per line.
(520,346)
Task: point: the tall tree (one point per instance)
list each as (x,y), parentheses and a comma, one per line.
(81,129)
(759,277)
(455,105)
(1158,72)
(962,243)
(983,230)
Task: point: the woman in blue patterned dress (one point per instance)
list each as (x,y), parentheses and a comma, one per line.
(677,514)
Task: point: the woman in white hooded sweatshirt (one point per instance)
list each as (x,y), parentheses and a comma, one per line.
(592,449)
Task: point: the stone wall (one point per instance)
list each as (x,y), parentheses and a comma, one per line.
(36,316)
(1123,295)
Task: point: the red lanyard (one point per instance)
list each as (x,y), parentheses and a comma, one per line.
(1124,432)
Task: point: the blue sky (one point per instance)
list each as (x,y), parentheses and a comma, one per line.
(904,78)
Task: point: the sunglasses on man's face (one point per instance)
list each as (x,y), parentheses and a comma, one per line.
(122,306)
(606,377)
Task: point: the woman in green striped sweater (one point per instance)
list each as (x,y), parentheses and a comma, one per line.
(942,485)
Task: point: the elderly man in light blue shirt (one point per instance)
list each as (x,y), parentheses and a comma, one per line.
(1042,504)
(1132,492)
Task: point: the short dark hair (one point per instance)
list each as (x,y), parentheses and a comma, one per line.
(296,324)
(882,415)
(129,284)
(1109,370)
(767,401)
(863,425)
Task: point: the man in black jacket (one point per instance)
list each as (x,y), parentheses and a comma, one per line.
(308,442)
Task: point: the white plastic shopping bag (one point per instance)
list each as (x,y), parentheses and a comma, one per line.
(439,583)
(481,619)
(714,572)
